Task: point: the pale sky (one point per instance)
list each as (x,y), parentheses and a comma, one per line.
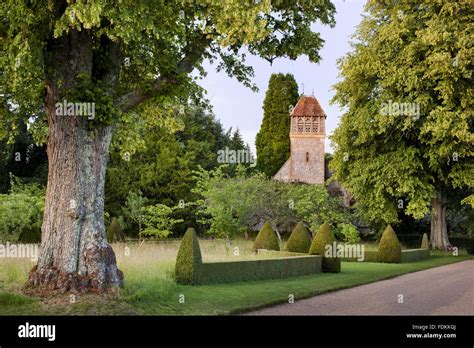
(237,106)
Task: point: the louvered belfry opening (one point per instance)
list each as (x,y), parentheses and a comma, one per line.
(308,117)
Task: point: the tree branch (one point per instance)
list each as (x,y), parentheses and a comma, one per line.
(132,99)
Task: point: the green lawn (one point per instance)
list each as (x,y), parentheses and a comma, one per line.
(151,290)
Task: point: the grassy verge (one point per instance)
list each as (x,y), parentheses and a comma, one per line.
(238,298)
(151,290)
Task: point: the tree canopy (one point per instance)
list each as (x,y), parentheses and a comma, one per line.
(407,129)
(147,48)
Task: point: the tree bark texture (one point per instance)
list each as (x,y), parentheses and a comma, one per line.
(439,231)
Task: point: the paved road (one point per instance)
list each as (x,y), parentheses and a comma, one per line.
(444,290)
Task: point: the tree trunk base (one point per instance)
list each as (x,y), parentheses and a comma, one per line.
(50,280)
(106,277)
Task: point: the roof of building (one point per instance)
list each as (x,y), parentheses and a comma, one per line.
(308,106)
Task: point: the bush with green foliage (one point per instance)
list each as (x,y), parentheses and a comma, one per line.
(189,259)
(323,238)
(350,234)
(300,240)
(114,232)
(21,212)
(389,247)
(266,239)
(425,242)
(158,221)
(231,203)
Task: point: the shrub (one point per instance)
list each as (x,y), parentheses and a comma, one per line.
(189,260)
(425,242)
(299,241)
(389,247)
(114,232)
(318,247)
(350,234)
(21,213)
(266,239)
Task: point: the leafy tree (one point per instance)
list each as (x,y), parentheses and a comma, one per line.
(162,168)
(229,203)
(134,208)
(127,59)
(273,141)
(406,138)
(158,221)
(314,205)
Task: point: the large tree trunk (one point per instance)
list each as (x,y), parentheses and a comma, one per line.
(75,255)
(439,232)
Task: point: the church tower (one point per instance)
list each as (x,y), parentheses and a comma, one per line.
(307,135)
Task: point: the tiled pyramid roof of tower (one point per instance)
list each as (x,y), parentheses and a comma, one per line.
(308,106)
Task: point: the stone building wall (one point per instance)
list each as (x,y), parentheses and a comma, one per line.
(307,135)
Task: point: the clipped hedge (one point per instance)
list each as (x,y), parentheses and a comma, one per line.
(413,255)
(252,270)
(462,242)
(189,260)
(369,256)
(299,241)
(318,247)
(389,247)
(191,270)
(266,239)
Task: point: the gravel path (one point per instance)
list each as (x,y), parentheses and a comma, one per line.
(445,290)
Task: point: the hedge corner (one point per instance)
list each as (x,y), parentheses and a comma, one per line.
(189,259)
(323,238)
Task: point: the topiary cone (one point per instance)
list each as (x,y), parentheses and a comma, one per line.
(114,232)
(390,250)
(299,241)
(325,238)
(189,260)
(266,239)
(425,242)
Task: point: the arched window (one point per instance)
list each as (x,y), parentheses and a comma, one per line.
(307,156)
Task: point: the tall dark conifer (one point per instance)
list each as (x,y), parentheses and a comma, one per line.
(273,142)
